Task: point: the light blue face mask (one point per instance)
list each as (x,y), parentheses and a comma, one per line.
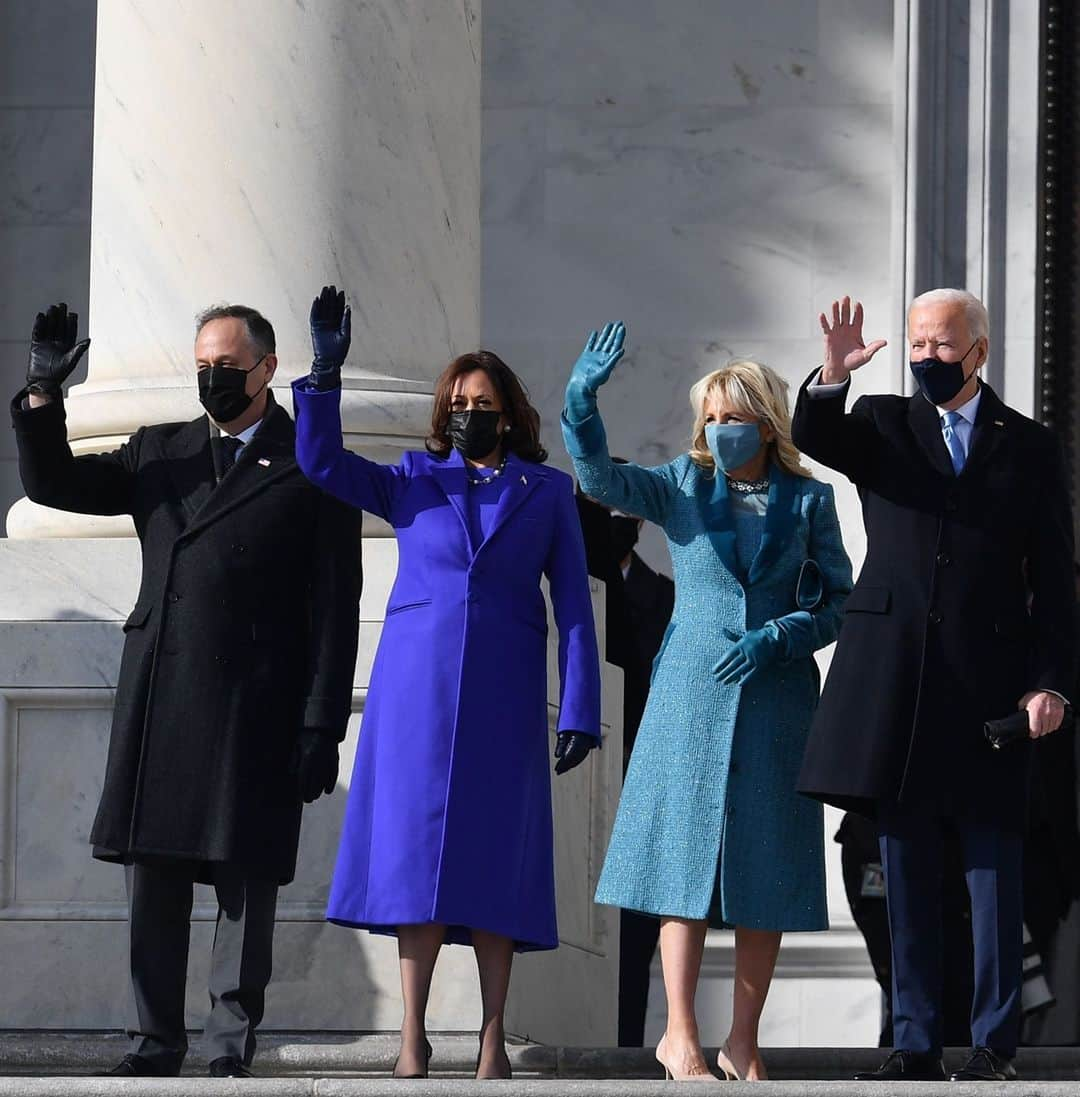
(732,444)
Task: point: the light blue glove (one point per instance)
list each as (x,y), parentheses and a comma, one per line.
(591,370)
(760,647)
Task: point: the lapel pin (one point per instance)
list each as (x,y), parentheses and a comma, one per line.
(999,422)
(524,481)
(264,462)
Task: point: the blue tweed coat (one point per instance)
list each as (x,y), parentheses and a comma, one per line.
(709,799)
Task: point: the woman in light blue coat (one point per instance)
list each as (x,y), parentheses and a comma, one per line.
(710,829)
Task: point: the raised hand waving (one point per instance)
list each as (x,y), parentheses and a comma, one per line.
(845,350)
(592,369)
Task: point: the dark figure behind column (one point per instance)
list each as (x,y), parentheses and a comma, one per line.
(639,602)
(236,677)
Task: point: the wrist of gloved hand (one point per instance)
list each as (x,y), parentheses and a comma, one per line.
(580,401)
(325,375)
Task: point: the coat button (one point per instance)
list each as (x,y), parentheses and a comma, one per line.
(943,559)
(733,768)
(239,548)
(173,596)
(936,617)
(951,505)
(472,597)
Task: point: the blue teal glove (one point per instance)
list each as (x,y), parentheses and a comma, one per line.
(331,333)
(758,648)
(591,370)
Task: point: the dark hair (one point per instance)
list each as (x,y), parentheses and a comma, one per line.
(523,437)
(260,333)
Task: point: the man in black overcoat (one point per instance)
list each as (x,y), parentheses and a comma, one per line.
(236,677)
(638,607)
(963,613)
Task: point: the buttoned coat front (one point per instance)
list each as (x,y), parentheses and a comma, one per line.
(449,812)
(244,632)
(709,800)
(964,604)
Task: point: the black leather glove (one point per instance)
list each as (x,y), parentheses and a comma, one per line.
(571,749)
(315,763)
(331,333)
(54,352)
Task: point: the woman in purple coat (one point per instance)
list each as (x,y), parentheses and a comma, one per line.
(448,830)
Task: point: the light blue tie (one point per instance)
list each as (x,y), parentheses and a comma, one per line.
(952,439)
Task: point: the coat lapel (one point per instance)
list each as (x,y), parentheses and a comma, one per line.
(190,465)
(989,432)
(449,475)
(715,508)
(266,458)
(522,477)
(925,424)
(780,520)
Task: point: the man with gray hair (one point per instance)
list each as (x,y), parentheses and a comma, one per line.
(962,615)
(236,678)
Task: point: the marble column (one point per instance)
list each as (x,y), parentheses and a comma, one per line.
(250,152)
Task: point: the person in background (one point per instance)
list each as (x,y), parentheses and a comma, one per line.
(448,832)
(709,828)
(639,602)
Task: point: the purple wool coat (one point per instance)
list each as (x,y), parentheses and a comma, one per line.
(449,812)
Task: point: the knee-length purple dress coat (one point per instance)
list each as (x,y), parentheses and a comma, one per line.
(449,812)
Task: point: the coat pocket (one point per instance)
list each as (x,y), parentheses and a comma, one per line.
(391,610)
(868,600)
(138,617)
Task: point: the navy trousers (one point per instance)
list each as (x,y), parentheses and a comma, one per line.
(912,854)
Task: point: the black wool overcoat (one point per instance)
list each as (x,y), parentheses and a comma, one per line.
(964,604)
(244,633)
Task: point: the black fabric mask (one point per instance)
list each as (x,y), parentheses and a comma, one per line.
(474,434)
(624,535)
(222,392)
(941,381)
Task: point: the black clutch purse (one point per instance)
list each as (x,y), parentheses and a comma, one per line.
(1014,728)
(1009,729)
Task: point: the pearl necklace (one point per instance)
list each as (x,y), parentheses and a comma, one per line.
(479,481)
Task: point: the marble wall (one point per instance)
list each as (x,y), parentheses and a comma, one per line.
(714,174)
(46,107)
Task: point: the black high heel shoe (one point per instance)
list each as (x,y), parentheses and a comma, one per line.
(427,1048)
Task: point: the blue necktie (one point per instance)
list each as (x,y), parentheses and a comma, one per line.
(952,440)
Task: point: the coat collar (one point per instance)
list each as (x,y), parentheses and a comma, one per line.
(522,479)
(266,458)
(989,432)
(990,429)
(781,516)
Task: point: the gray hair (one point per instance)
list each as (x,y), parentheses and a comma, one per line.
(259,330)
(974,309)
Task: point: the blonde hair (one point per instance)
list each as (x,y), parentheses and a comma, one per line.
(755,391)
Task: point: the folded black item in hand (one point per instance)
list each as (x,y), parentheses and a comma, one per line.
(1009,729)
(1014,728)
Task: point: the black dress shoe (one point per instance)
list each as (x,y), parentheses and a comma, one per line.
(985,1066)
(132,1066)
(905,1066)
(228,1066)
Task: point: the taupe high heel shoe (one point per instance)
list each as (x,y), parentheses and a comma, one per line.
(726,1064)
(671,1075)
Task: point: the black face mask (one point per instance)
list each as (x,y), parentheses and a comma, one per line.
(474,434)
(222,391)
(941,381)
(624,535)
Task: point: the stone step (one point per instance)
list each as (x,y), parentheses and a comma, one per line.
(327,1063)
